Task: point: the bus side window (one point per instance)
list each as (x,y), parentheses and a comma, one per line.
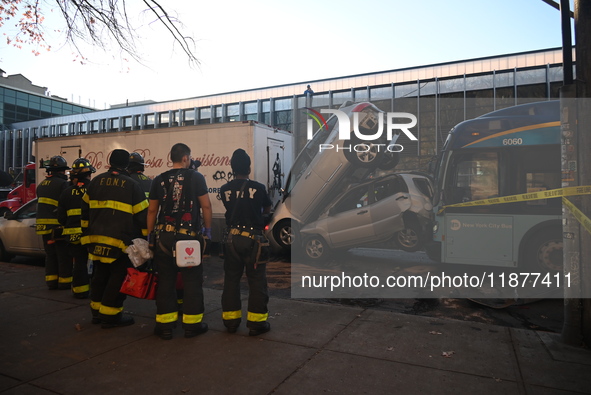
(476,177)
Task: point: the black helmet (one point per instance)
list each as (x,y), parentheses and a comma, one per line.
(136,162)
(57,163)
(134,157)
(82,165)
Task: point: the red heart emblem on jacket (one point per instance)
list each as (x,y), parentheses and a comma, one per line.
(189,250)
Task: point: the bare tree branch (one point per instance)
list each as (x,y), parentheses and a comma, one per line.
(96,22)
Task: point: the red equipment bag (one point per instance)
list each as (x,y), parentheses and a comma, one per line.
(140,284)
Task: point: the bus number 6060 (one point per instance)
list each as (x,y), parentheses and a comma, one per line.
(516,141)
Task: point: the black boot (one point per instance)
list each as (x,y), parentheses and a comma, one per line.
(163,333)
(259,330)
(123,320)
(196,329)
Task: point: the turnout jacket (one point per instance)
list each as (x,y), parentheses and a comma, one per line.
(69,211)
(48,194)
(112,215)
(144,181)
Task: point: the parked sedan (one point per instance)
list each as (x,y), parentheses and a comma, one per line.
(17,233)
(395,208)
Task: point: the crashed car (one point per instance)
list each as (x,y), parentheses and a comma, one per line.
(395,208)
(318,175)
(17,233)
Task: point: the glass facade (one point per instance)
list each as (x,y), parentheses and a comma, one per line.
(17,106)
(440,96)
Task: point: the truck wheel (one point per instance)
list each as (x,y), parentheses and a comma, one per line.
(4,255)
(410,238)
(315,248)
(543,252)
(284,234)
(3,211)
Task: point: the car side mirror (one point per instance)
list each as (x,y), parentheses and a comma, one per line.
(9,215)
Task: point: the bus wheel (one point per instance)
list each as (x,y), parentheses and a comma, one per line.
(544,252)
(315,248)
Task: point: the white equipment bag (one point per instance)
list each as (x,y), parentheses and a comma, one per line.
(139,252)
(188,253)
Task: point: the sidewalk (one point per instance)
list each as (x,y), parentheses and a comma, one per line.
(49,346)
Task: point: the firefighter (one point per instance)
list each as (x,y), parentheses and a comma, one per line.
(246,202)
(69,211)
(112,211)
(58,266)
(178,201)
(136,171)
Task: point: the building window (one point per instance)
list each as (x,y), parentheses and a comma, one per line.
(188,117)
(128,123)
(149,121)
(204,115)
(233,112)
(282,114)
(218,114)
(251,111)
(339,98)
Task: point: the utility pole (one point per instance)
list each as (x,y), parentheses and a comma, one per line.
(583,56)
(576,171)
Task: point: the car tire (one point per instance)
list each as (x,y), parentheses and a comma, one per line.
(316,248)
(284,234)
(543,251)
(371,158)
(4,255)
(410,238)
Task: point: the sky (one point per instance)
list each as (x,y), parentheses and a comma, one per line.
(252,44)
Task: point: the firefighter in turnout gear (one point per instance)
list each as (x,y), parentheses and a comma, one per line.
(245,248)
(178,201)
(58,266)
(136,171)
(112,211)
(69,212)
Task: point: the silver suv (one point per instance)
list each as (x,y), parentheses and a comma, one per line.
(395,208)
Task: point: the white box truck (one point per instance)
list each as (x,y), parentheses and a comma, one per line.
(270,149)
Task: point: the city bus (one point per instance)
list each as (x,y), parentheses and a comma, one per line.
(507,152)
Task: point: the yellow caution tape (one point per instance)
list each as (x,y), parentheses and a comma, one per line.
(582,218)
(523,197)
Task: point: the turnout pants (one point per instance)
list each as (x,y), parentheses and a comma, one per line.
(106,302)
(167,298)
(81,280)
(58,264)
(237,258)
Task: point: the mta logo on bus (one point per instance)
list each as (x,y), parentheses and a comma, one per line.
(367,122)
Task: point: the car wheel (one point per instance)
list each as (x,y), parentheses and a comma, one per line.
(410,238)
(544,251)
(284,234)
(315,248)
(370,154)
(4,255)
